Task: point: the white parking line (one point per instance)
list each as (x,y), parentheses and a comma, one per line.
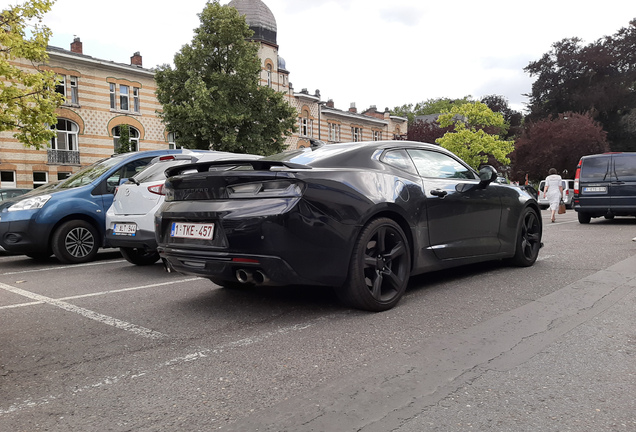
(123,325)
(188,358)
(101,293)
(59,267)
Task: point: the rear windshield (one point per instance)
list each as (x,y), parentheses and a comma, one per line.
(625,166)
(156,171)
(594,168)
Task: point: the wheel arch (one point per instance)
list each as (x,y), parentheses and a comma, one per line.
(398,218)
(77,216)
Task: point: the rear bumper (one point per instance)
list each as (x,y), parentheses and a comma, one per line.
(257,269)
(142,239)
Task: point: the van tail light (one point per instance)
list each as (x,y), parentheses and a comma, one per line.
(116,190)
(157,189)
(577,177)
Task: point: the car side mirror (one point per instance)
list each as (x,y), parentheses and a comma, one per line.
(487,175)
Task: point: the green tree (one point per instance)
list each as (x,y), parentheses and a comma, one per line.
(476,134)
(124,139)
(27,98)
(427,107)
(598,78)
(212,98)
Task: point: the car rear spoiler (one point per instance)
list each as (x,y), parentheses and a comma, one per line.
(256,164)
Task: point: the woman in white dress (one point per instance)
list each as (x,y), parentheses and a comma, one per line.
(553,191)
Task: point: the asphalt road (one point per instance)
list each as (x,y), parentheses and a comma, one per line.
(108,346)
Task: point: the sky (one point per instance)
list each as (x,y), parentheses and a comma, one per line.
(366,52)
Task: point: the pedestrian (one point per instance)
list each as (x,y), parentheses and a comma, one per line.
(553,191)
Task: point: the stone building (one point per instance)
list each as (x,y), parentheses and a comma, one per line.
(100,96)
(103,95)
(317,119)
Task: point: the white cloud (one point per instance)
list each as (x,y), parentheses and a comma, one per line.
(365,51)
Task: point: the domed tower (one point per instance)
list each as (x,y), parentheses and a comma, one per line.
(260,19)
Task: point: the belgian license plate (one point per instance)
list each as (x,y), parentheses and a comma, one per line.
(128,229)
(203,231)
(595,189)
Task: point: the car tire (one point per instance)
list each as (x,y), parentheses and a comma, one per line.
(139,256)
(584,218)
(528,239)
(75,242)
(379,269)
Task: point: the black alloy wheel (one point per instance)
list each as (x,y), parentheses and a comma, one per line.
(380,267)
(75,242)
(528,239)
(139,256)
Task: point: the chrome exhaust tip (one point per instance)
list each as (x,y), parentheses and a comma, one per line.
(244,276)
(260,277)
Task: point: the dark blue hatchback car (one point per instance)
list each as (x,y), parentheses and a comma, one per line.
(69,220)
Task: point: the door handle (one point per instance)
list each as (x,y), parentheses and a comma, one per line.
(439,193)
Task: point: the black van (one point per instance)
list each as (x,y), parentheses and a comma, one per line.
(605,185)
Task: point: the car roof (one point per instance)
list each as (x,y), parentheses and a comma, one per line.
(327,154)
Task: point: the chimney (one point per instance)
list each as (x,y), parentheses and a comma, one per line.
(135,60)
(330,103)
(76,46)
(352,108)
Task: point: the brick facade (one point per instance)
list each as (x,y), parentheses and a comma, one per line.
(87,87)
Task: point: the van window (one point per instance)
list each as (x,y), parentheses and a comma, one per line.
(625,167)
(594,168)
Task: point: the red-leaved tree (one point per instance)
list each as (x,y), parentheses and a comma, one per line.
(556,142)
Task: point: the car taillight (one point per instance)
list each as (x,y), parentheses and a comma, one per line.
(275,188)
(577,178)
(116,190)
(157,189)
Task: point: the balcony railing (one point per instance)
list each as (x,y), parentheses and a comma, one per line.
(63,157)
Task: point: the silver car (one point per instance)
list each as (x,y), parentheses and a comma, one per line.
(568,194)
(130,219)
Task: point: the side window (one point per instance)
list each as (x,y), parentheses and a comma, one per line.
(438,165)
(399,159)
(125,172)
(594,168)
(625,167)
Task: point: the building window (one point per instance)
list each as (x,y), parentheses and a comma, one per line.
(7,179)
(123,98)
(40,178)
(134,138)
(356,134)
(377,135)
(112,96)
(306,125)
(269,75)
(172,141)
(70,94)
(334,132)
(63,175)
(60,86)
(65,135)
(74,91)
(136,99)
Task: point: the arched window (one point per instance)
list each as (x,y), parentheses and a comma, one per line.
(134,138)
(65,135)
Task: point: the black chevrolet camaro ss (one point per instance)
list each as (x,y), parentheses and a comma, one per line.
(360,217)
